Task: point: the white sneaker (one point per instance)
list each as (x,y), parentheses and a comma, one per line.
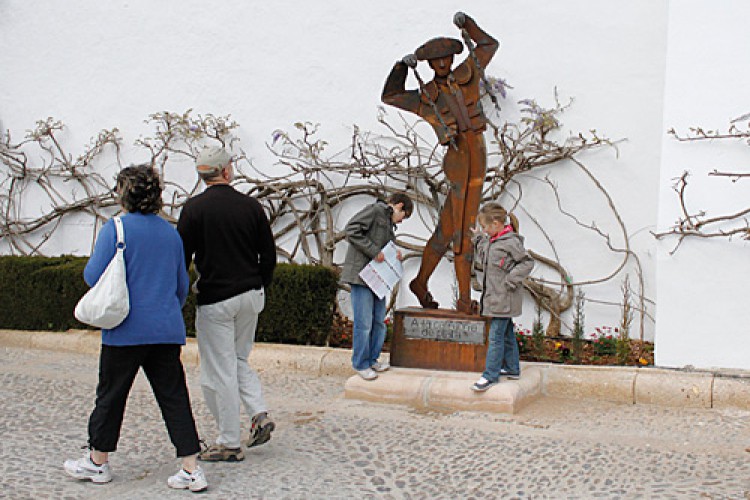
(367,374)
(482,385)
(380,367)
(194,482)
(84,468)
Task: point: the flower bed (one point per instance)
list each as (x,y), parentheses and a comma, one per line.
(603,347)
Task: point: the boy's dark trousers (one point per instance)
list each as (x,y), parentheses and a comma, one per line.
(118,366)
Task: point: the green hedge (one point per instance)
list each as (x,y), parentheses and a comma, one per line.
(299,305)
(40,293)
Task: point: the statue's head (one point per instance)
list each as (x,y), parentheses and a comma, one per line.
(439,53)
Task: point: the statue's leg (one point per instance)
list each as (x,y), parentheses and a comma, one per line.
(473,197)
(436,247)
(463,264)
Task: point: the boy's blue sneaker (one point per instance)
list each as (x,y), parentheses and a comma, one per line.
(482,385)
(510,376)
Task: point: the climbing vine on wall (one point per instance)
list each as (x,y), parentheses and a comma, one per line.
(307,187)
(692,223)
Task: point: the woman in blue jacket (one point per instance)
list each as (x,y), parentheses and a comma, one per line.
(151,336)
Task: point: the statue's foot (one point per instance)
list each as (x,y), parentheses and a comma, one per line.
(424,297)
(467,306)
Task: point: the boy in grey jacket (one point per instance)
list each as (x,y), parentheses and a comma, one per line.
(504,264)
(367,233)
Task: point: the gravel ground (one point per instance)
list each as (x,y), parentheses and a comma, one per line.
(327,447)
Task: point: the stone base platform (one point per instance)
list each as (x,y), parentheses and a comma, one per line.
(445,390)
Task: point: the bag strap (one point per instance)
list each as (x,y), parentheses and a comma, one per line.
(120,245)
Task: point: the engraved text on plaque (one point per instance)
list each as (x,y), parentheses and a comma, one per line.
(463,331)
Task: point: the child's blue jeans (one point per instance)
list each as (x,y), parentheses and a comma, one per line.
(369,327)
(502,350)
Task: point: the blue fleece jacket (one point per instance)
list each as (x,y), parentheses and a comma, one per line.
(157,280)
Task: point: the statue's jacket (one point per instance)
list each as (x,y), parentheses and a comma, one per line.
(457,101)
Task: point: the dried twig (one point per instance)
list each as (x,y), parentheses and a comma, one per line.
(305,190)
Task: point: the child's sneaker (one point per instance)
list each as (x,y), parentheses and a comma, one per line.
(220,453)
(380,367)
(261,428)
(85,468)
(482,385)
(367,374)
(184,480)
(509,376)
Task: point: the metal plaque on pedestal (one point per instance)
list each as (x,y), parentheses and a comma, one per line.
(439,339)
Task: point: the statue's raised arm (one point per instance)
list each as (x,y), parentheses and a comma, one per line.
(394,91)
(486,46)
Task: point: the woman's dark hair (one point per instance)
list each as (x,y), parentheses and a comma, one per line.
(139,189)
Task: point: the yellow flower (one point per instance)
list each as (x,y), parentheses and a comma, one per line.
(558,345)
(643,361)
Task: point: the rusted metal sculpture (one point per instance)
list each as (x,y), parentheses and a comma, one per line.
(450,103)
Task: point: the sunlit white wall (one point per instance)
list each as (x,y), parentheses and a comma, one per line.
(702,318)
(98,65)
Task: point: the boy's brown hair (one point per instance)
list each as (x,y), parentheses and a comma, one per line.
(400,197)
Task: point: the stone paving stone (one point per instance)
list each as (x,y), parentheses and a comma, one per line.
(328,447)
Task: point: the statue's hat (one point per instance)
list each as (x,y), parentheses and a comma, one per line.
(439,47)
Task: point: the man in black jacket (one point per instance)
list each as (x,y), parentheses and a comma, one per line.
(235,255)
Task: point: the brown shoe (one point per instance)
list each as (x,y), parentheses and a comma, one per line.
(220,453)
(261,428)
(467,307)
(423,296)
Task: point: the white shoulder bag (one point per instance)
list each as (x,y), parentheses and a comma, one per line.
(107,303)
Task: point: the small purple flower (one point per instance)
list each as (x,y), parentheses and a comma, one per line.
(276,135)
(500,86)
(495,86)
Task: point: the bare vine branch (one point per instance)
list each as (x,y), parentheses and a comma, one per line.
(699,224)
(305,191)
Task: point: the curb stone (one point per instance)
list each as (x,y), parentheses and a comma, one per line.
(444,390)
(318,361)
(719,389)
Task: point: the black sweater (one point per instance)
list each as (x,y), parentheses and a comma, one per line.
(232,241)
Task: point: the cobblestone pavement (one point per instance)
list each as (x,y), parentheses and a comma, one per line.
(326,447)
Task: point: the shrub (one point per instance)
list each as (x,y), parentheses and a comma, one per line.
(604,342)
(579,319)
(299,305)
(537,332)
(40,293)
(523,337)
(626,318)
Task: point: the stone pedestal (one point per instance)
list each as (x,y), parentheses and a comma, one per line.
(439,339)
(446,390)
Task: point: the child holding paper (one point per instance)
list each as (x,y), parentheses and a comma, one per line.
(367,233)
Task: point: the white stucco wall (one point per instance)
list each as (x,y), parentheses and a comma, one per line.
(702,317)
(97,65)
